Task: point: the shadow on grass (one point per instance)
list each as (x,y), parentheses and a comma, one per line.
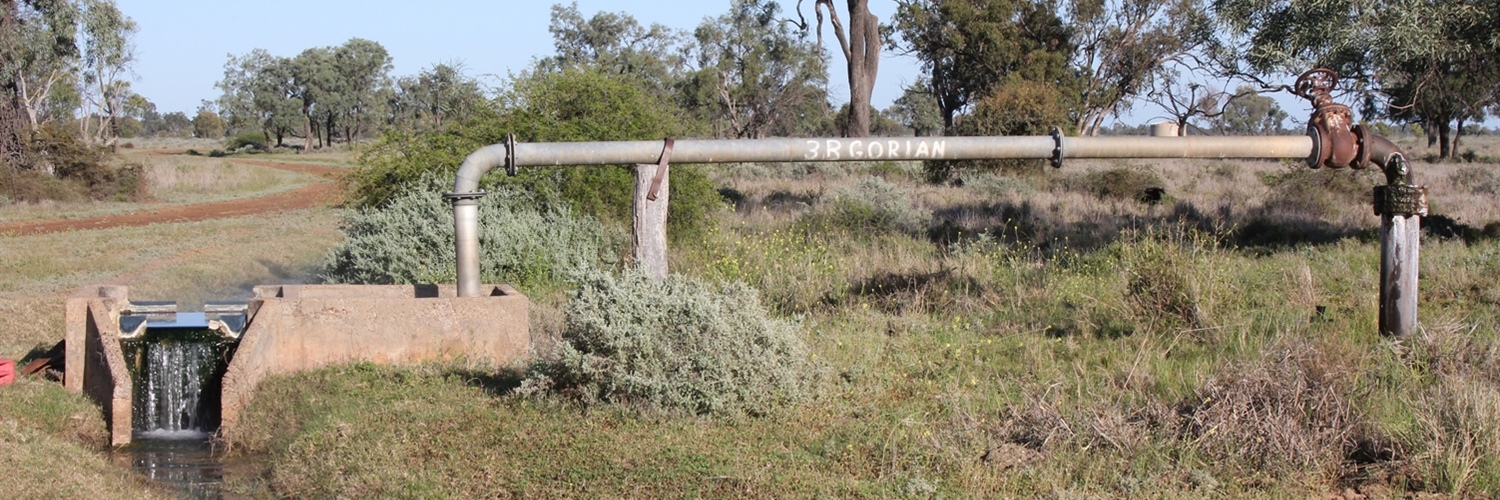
(497,383)
(1261,229)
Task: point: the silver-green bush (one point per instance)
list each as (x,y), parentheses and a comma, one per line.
(410,240)
(676,345)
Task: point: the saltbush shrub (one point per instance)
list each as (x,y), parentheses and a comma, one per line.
(1477,179)
(997,185)
(674,345)
(871,206)
(410,240)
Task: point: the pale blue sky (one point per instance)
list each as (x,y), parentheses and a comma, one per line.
(182,46)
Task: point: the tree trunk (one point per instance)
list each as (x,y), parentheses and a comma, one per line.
(861,48)
(1445,148)
(307,128)
(864,64)
(1458,134)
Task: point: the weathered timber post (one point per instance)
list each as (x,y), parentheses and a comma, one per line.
(649,217)
(1401,207)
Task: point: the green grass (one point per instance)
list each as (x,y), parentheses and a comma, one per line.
(49,442)
(983,369)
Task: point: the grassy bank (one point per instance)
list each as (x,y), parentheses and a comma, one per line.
(1035,334)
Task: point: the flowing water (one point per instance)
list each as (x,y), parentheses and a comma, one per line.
(177,367)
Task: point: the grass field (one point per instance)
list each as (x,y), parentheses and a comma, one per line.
(1047,334)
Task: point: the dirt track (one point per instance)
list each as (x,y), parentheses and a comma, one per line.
(323,191)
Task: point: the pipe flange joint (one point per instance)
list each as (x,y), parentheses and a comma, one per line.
(1362,137)
(1057,149)
(1315,158)
(464,198)
(1401,200)
(510,155)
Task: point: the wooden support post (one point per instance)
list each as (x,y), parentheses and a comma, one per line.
(649,231)
(1401,208)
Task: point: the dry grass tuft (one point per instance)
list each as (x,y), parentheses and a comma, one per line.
(1290,416)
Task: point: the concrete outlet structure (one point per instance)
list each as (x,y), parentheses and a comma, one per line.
(303,327)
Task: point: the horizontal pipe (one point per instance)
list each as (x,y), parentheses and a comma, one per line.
(909,148)
(511,154)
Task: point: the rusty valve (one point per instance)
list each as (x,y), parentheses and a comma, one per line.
(1337,143)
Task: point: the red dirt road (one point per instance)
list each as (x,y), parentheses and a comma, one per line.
(323,191)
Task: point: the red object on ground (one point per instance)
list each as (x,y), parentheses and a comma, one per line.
(7,372)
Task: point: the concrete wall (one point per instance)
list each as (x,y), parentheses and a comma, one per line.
(304,327)
(95,364)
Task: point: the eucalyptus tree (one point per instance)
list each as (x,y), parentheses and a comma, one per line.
(917,109)
(1123,45)
(616,43)
(755,77)
(1412,60)
(1250,114)
(39,54)
(860,46)
(438,95)
(968,47)
(107,55)
(363,82)
(258,93)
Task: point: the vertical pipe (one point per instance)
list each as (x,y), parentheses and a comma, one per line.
(1400,246)
(466,241)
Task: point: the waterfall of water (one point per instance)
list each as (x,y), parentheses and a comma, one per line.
(173,381)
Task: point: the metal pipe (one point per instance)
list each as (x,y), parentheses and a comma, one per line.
(511,155)
(466,243)
(909,148)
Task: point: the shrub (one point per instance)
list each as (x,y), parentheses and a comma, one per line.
(998,185)
(77,169)
(1477,179)
(1138,183)
(677,345)
(1164,275)
(253,141)
(410,240)
(872,205)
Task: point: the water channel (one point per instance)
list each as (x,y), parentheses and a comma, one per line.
(177,362)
